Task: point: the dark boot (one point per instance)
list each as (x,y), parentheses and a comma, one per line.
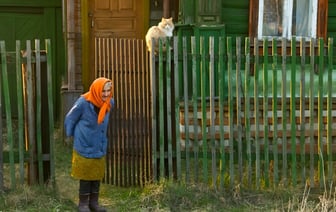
(83,205)
(94,206)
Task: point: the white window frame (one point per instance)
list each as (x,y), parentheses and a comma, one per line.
(287,20)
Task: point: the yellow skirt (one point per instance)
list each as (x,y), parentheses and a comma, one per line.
(87,168)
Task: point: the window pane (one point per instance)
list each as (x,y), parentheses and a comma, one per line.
(272,18)
(302,18)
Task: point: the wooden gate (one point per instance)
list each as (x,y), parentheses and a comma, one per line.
(125,62)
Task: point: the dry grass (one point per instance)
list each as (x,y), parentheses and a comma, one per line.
(163,196)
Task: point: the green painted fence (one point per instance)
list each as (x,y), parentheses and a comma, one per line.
(26,144)
(256,113)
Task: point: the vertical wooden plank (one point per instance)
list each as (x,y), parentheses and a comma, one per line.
(169,109)
(212,110)
(154,113)
(311,109)
(239,109)
(265,110)
(302,108)
(329,109)
(123,115)
(138,99)
(177,109)
(128,112)
(247,112)
(186,108)
(50,111)
(275,111)
(20,109)
(230,106)
(321,175)
(256,111)
(161,110)
(8,112)
(221,91)
(284,110)
(203,108)
(195,81)
(292,109)
(38,110)
(3,60)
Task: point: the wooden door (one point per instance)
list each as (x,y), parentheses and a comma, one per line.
(117,18)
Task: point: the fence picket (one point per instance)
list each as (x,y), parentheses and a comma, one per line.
(265,109)
(5,87)
(292,109)
(221,92)
(230,107)
(256,112)
(247,112)
(329,109)
(20,110)
(283,110)
(204,86)
(195,95)
(321,174)
(302,107)
(274,111)
(311,109)
(269,132)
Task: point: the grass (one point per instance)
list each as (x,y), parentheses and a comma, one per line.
(163,196)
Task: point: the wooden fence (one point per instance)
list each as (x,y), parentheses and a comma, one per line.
(230,111)
(125,62)
(26,142)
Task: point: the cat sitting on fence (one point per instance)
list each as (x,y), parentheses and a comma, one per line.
(162,30)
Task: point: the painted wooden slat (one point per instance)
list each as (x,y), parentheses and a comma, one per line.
(20,110)
(212,110)
(329,109)
(204,85)
(38,109)
(265,108)
(292,109)
(50,110)
(154,112)
(230,107)
(239,109)
(247,112)
(256,112)
(283,110)
(161,111)
(186,103)
(311,109)
(221,92)
(302,107)
(8,112)
(275,109)
(169,110)
(177,109)
(195,81)
(321,173)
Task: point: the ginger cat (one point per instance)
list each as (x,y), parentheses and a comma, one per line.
(163,29)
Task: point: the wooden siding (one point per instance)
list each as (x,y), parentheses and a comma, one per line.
(235,15)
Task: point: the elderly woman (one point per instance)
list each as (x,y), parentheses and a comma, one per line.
(87,123)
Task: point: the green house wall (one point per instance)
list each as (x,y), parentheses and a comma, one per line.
(30,20)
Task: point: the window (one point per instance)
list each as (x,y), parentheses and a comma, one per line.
(288,18)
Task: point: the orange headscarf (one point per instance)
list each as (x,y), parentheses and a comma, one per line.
(94,95)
